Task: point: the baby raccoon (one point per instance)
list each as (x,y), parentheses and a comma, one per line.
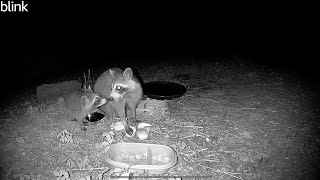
(124,91)
(80,103)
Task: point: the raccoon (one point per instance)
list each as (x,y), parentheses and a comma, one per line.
(124,91)
(79,103)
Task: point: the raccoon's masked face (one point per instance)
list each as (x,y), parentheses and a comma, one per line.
(122,85)
(118,92)
(92,100)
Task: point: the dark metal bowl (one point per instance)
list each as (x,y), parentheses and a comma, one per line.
(95,116)
(163,90)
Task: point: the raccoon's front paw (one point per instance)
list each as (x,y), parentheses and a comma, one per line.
(129,131)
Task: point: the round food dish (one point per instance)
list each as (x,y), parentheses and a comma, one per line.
(163,90)
(95,116)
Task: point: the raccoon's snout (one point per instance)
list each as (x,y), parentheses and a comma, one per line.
(116,96)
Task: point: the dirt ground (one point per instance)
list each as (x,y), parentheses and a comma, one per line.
(234,122)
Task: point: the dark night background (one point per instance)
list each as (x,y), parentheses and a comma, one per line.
(53,40)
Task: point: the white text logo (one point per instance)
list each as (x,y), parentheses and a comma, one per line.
(10,6)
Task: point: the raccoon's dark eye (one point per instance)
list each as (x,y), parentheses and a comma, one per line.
(118,87)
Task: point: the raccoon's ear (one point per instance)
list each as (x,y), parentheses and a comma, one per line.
(84,99)
(128,73)
(112,72)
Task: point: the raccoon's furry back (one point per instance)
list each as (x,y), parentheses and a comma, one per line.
(72,103)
